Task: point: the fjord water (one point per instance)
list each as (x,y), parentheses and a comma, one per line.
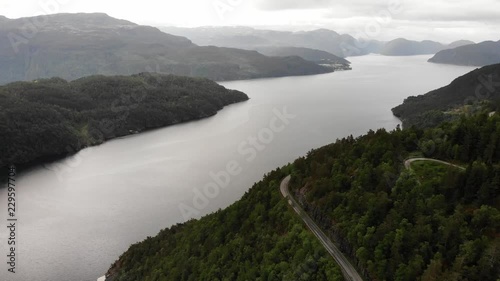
(76,216)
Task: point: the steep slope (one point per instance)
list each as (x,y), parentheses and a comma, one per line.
(391,224)
(470,89)
(480,54)
(51,118)
(257,238)
(397,225)
(72,46)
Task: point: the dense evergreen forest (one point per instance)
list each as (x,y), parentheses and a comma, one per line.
(422,223)
(418,224)
(53,117)
(466,94)
(257,238)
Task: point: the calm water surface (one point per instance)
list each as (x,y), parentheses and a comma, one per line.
(75,222)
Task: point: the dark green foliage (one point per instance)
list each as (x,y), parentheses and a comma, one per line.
(394,225)
(257,238)
(461,96)
(54,117)
(439,224)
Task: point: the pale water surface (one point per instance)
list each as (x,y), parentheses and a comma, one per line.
(72,226)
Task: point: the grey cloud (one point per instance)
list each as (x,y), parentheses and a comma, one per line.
(422,10)
(352,6)
(275,5)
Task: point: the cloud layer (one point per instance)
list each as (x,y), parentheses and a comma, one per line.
(444,20)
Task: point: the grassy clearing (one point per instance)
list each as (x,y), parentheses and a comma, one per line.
(432,172)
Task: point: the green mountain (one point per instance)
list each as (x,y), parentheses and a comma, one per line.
(72,46)
(257,238)
(462,95)
(396,219)
(431,221)
(52,118)
(480,54)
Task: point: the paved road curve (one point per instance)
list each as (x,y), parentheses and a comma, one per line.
(409,161)
(348,270)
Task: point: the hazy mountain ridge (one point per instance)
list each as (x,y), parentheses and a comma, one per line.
(480,54)
(405,47)
(72,46)
(460,43)
(341,45)
(313,55)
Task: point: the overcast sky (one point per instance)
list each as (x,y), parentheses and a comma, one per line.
(441,20)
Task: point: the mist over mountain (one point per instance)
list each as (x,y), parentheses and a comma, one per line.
(341,45)
(404,47)
(481,54)
(72,46)
(460,43)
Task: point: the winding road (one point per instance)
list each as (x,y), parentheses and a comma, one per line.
(347,268)
(409,161)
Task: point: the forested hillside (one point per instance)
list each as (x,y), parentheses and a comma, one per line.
(394,223)
(53,117)
(466,94)
(257,238)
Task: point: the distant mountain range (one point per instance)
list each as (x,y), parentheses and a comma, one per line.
(341,45)
(480,54)
(313,55)
(404,47)
(72,46)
